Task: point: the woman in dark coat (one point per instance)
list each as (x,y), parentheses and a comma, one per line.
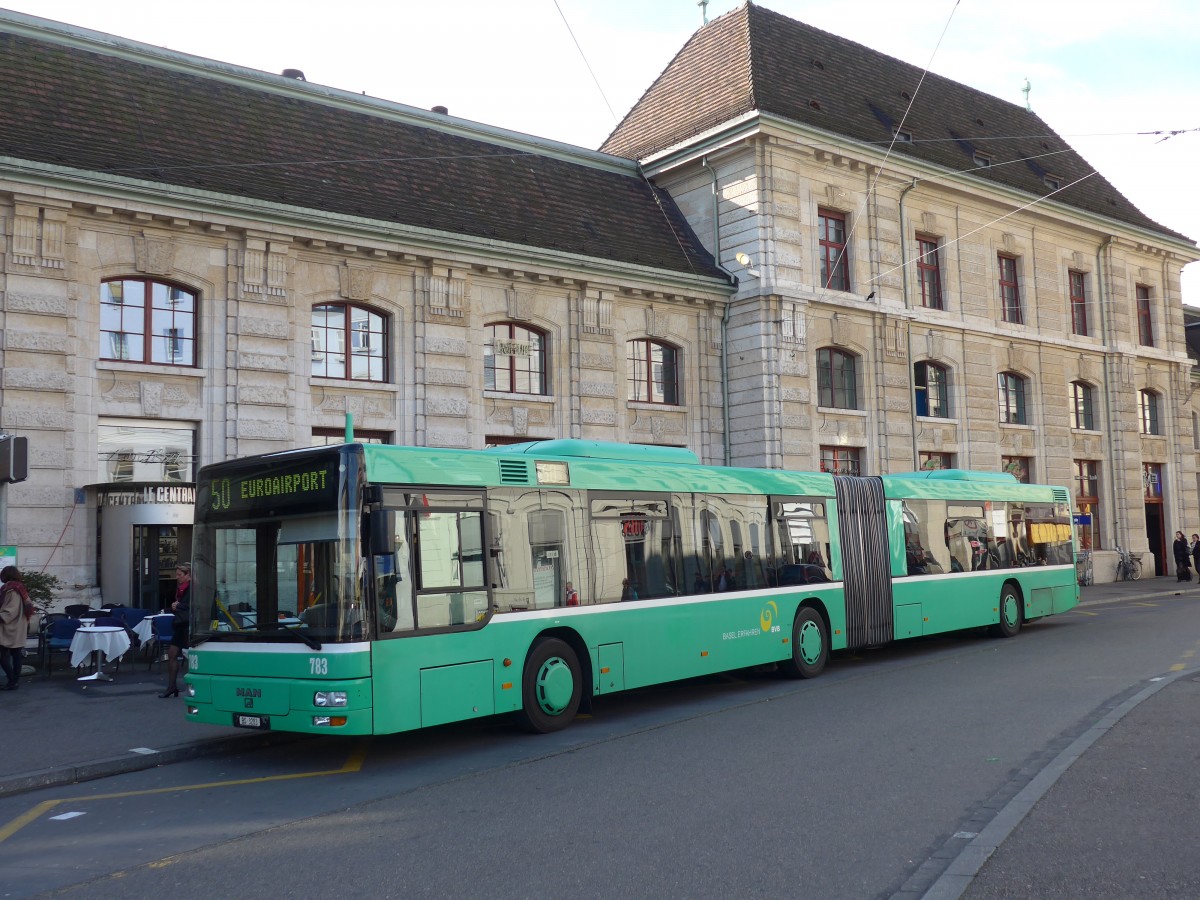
(179,634)
(1196,551)
(1183,558)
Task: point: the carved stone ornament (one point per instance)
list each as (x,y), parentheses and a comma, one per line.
(597,313)
(356,282)
(153,256)
(446,295)
(519,304)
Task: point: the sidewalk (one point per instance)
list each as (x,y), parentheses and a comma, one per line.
(56,730)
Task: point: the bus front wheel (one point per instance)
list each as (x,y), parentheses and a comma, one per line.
(551,687)
(1010,613)
(810,645)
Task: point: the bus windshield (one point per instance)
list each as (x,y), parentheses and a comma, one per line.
(293,573)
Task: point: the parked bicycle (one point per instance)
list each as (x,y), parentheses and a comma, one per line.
(1129,567)
(1083,567)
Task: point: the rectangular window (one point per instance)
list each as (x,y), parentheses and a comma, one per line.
(835,256)
(1152,482)
(1145,322)
(1010,291)
(1019,467)
(141,450)
(930,273)
(1087,502)
(841,460)
(1148,407)
(933,460)
(1079,322)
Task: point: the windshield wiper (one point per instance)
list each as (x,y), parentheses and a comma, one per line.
(296,633)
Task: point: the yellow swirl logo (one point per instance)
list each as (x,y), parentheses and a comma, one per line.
(767,616)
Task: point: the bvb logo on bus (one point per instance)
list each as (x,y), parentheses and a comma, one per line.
(766,619)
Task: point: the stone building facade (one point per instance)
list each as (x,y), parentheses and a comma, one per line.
(928,277)
(152,324)
(201,262)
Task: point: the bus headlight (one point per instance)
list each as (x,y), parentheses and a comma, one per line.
(329,698)
(189,690)
(329,721)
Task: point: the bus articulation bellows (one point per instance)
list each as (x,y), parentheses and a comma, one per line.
(369,589)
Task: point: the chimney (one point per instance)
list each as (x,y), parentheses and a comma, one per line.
(293,73)
(440,109)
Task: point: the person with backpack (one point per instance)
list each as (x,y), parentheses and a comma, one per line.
(16,609)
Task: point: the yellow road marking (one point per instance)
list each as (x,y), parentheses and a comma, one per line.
(1178,667)
(353,764)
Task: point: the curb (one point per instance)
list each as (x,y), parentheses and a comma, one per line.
(136,762)
(961,872)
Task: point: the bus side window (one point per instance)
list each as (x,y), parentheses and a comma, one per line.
(393,575)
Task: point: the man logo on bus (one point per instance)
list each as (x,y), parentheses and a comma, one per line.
(766,618)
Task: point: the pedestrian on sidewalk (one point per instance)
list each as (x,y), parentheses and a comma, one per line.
(1183,558)
(1196,552)
(15,612)
(179,633)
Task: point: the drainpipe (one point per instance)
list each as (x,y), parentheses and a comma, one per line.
(912,387)
(712,174)
(1101,251)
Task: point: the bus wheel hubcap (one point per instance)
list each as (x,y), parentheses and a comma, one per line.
(810,642)
(555,686)
(1011,613)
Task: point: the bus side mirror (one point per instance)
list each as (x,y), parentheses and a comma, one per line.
(380,532)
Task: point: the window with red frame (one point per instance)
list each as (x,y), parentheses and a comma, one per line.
(1145,322)
(653,372)
(349,341)
(1079,320)
(146,321)
(841,460)
(1010,291)
(929,271)
(514,359)
(835,257)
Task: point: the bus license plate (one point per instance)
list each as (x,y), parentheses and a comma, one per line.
(252,721)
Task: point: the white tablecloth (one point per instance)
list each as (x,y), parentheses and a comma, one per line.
(113,641)
(145,628)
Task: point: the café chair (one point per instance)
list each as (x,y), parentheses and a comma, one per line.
(164,628)
(59,633)
(75,610)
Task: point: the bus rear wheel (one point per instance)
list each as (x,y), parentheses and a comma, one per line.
(1010,613)
(551,687)
(810,645)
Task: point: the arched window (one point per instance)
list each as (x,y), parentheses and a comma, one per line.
(1082,406)
(350,342)
(1012,398)
(147,321)
(1148,406)
(837,379)
(932,390)
(653,372)
(514,359)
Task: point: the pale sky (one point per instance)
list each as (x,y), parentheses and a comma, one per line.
(1101,71)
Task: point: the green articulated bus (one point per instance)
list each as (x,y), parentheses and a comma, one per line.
(369,589)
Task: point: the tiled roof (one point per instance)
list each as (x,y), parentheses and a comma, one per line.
(145,119)
(754,59)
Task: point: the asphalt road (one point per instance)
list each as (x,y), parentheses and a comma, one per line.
(862,783)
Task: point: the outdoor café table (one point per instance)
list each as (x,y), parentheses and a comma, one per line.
(107,641)
(145,628)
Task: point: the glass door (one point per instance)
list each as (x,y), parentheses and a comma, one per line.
(156,552)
